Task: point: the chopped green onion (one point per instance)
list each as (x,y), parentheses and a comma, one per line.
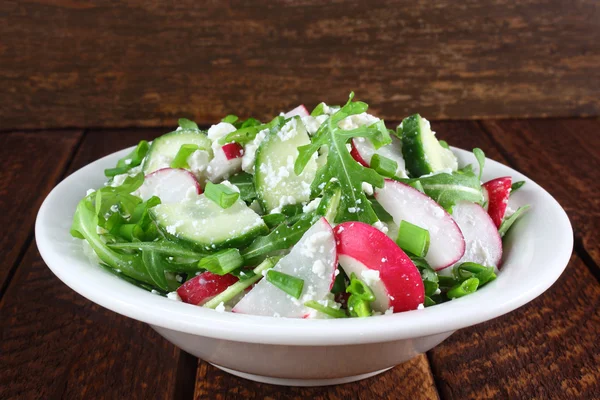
(332,312)
(413,239)
(508,222)
(272,220)
(417,185)
(245,183)
(444,144)
(185,123)
(224,196)
(430,287)
(360,289)
(222,262)
(359,307)
(241,285)
(243,274)
(130,161)
(180,160)
(447,281)
(289,284)
(480,156)
(469,269)
(319,110)
(384,166)
(516,186)
(467,287)
(230,119)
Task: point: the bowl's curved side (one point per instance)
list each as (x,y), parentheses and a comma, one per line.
(537,251)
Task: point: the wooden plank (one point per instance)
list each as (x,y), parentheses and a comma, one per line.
(56,344)
(564,157)
(145,63)
(31,164)
(411,380)
(547,349)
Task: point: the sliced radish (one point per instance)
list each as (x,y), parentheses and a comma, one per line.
(498,191)
(170,185)
(221,166)
(233,150)
(363,150)
(299,111)
(203,287)
(377,260)
(402,202)
(313,259)
(484,245)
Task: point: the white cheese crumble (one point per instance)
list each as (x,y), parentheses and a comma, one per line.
(173,296)
(312,124)
(249,157)
(220,130)
(389,311)
(367,188)
(220,307)
(230,186)
(318,268)
(420,306)
(357,121)
(89,191)
(198,161)
(370,276)
(312,205)
(381,226)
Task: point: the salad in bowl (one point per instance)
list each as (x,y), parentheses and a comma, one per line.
(327,214)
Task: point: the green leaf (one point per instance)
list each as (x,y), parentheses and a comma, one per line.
(318,110)
(444,144)
(180,160)
(341,166)
(288,283)
(508,222)
(516,186)
(247,132)
(185,123)
(332,312)
(245,183)
(230,119)
(155,265)
(161,246)
(130,161)
(480,156)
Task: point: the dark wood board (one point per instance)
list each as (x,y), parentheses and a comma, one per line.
(411,380)
(564,157)
(31,164)
(146,63)
(56,344)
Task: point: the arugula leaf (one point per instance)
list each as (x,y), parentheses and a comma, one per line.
(130,161)
(245,183)
(248,131)
(448,189)
(230,119)
(160,246)
(354,205)
(508,222)
(154,263)
(480,156)
(318,110)
(185,123)
(516,186)
(140,226)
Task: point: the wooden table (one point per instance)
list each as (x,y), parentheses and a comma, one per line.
(56,344)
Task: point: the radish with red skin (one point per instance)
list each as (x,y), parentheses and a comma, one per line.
(356,155)
(226,162)
(233,150)
(314,260)
(363,150)
(483,242)
(171,185)
(498,192)
(402,202)
(203,287)
(366,251)
(299,111)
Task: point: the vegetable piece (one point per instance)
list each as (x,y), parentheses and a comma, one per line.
(238,287)
(162,246)
(330,311)
(467,270)
(483,243)
(130,161)
(375,258)
(170,185)
(232,150)
(226,162)
(200,289)
(181,158)
(422,152)
(222,195)
(314,260)
(164,149)
(340,165)
(516,186)
(330,200)
(363,151)
(274,178)
(384,166)
(288,283)
(359,307)
(498,192)
(413,239)
(222,262)
(508,222)
(299,111)
(404,203)
(203,225)
(464,288)
(245,183)
(360,289)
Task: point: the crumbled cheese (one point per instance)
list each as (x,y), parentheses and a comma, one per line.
(367,188)
(230,186)
(220,307)
(381,226)
(312,205)
(389,311)
(420,306)
(370,276)
(220,130)
(352,210)
(198,161)
(357,121)
(249,157)
(89,191)
(318,268)
(312,124)
(173,296)
(288,130)
(312,244)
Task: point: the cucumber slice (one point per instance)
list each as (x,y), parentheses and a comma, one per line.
(274,177)
(422,152)
(203,225)
(164,148)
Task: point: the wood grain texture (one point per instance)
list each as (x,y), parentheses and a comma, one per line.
(31,163)
(56,344)
(147,63)
(564,157)
(411,380)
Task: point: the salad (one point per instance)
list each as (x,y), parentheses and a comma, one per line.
(327,214)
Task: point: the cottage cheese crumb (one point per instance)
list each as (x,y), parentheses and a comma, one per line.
(173,296)
(370,276)
(220,307)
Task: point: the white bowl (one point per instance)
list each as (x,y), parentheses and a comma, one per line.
(312,352)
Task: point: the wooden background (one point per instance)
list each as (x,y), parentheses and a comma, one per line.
(67,63)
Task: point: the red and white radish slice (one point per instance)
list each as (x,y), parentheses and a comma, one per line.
(483,242)
(203,287)
(299,111)
(313,259)
(404,203)
(227,161)
(170,185)
(498,191)
(363,150)
(377,260)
